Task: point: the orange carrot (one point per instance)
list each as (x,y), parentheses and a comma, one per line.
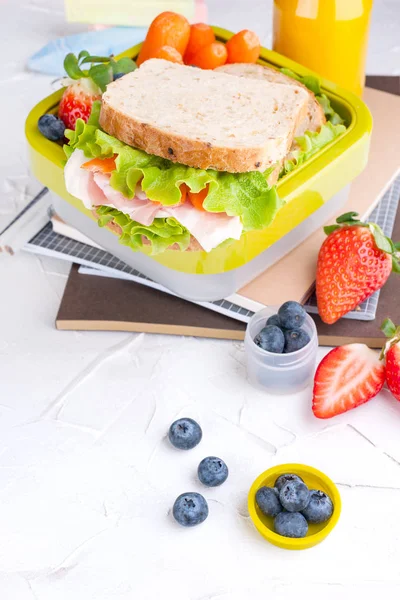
(200,35)
(198,198)
(102,165)
(169,53)
(243,47)
(210,57)
(168,29)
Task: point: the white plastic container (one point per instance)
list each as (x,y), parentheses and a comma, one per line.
(200,287)
(279,373)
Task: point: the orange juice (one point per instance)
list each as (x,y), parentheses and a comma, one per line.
(327,36)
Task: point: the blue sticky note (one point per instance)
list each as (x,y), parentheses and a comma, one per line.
(49,59)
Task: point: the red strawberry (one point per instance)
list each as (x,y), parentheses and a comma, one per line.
(393,370)
(87,85)
(347,377)
(77,100)
(354,261)
(391,352)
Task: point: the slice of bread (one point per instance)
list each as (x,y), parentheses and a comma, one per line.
(314,118)
(203,119)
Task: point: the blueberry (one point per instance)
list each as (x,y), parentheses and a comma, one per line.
(190,509)
(268,501)
(271,339)
(294,496)
(212,471)
(274,320)
(292,315)
(319,509)
(295,339)
(292,525)
(185,434)
(118,76)
(282,479)
(51,127)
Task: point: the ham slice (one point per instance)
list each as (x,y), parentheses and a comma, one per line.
(94,189)
(142,211)
(209,229)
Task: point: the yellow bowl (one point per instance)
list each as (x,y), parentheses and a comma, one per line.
(314,479)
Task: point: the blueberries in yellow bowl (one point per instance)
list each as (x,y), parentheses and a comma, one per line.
(294,506)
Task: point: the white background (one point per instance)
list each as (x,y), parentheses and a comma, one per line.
(87,478)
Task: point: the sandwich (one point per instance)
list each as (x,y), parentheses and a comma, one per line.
(179,158)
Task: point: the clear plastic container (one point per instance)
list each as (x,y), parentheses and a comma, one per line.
(200,287)
(279,373)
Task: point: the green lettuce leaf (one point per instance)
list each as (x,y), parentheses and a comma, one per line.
(309,144)
(246,195)
(313,84)
(161,234)
(331,115)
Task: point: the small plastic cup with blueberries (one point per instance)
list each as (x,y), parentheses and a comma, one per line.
(281,346)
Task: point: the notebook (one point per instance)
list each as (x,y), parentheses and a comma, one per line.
(129,12)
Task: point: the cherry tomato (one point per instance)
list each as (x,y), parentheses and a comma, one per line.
(210,57)
(200,35)
(243,47)
(198,198)
(169,53)
(168,29)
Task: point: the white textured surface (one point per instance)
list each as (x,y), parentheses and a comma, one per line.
(87,479)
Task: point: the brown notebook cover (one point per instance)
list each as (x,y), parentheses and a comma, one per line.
(107,304)
(100,303)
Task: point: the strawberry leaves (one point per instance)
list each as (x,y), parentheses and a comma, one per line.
(389,328)
(102,75)
(102,69)
(72,68)
(382,242)
(392,332)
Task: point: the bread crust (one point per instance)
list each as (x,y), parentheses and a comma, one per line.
(190,152)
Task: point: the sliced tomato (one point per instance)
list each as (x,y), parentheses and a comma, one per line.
(102,165)
(198,199)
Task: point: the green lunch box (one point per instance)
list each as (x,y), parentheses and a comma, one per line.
(312,193)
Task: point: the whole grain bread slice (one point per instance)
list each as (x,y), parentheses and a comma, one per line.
(203,119)
(314,118)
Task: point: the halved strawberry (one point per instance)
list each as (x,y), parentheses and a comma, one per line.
(87,85)
(347,377)
(77,101)
(391,353)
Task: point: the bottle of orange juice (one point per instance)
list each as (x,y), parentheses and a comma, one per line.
(328,36)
